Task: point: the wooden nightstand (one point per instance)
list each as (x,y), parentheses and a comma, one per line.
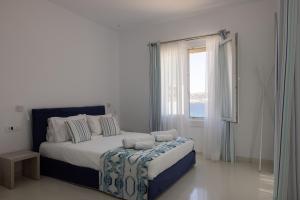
(30,166)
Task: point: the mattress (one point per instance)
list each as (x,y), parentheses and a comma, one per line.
(87,154)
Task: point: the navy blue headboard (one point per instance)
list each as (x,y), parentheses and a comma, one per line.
(40,119)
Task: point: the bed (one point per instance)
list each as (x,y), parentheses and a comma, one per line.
(77,163)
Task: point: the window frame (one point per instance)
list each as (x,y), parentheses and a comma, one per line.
(193,50)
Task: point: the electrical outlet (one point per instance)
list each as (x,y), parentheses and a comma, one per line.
(12,129)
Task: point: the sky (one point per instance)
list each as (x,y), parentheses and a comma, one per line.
(197,72)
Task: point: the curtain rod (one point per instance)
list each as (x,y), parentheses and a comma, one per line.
(223,33)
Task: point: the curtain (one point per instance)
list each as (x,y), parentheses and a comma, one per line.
(287,107)
(227,142)
(155,87)
(213,123)
(174,96)
(225,62)
(228,103)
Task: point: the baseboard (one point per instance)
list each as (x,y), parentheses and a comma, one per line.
(266,164)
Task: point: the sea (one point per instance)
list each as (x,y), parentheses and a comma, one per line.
(197,110)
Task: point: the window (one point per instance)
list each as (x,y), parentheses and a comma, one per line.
(197,82)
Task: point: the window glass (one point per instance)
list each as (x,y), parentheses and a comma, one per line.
(197,82)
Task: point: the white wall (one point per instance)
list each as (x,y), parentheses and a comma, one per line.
(254,24)
(50,57)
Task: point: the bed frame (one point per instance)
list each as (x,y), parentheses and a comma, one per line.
(90,177)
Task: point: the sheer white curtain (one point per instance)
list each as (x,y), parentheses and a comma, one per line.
(174,96)
(213,123)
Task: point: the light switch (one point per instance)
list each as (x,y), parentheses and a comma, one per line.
(19,108)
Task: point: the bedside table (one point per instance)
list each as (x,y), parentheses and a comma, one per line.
(30,166)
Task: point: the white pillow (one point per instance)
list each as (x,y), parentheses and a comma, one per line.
(94,124)
(57,130)
(50,134)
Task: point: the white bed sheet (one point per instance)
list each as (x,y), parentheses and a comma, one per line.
(86,154)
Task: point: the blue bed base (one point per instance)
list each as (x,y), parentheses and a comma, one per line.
(89,177)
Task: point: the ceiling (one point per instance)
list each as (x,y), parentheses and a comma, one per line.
(124,13)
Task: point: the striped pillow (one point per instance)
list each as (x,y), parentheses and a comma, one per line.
(109,125)
(78,130)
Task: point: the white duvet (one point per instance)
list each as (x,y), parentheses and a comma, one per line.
(87,154)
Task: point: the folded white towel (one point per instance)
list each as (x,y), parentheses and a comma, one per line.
(164,138)
(172,132)
(143,145)
(129,142)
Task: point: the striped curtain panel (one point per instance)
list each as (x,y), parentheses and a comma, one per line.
(228,147)
(287,110)
(155,87)
(226,78)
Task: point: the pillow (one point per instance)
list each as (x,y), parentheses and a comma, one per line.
(109,125)
(78,130)
(57,131)
(94,124)
(50,135)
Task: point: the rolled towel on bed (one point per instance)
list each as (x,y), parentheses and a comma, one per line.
(129,142)
(143,145)
(164,138)
(172,132)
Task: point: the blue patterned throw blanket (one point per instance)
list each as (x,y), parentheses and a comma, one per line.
(123,172)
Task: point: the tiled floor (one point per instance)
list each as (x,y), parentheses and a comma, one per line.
(206,181)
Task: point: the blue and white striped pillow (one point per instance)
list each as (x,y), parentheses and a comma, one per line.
(109,125)
(78,130)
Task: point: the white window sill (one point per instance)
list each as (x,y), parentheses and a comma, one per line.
(196,122)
